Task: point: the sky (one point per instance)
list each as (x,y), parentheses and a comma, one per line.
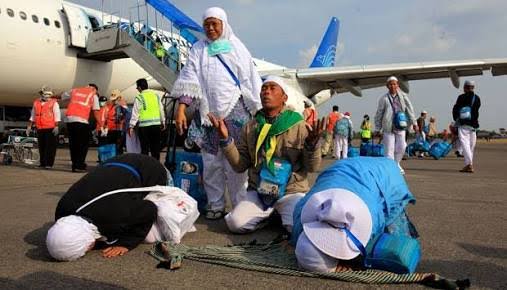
(373,32)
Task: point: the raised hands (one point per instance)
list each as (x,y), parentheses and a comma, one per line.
(315,132)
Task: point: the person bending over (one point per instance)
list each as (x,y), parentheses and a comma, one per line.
(121,221)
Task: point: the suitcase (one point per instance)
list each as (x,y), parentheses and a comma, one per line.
(440,150)
(106,152)
(353,151)
(371,149)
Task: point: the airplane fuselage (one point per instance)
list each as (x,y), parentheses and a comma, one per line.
(35,54)
(38,49)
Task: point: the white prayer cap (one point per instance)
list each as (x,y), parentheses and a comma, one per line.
(392,78)
(469,83)
(312,259)
(279,81)
(424,112)
(70,238)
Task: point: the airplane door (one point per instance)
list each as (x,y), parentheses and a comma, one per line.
(79,25)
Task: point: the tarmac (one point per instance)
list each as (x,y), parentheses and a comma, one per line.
(461,219)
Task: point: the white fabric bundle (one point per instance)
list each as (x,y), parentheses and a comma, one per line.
(176,213)
(70,238)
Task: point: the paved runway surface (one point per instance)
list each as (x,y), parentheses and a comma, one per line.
(461,219)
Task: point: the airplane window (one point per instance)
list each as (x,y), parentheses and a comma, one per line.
(46,21)
(10,12)
(22,15)
(57,24)
(35,18)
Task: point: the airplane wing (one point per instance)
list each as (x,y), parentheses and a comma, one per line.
(354,79)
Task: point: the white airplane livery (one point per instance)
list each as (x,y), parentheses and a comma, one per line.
(41,41)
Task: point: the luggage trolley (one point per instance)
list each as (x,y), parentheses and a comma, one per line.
(20,149)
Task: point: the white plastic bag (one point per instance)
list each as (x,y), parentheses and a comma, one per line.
(133,144)
(176,212)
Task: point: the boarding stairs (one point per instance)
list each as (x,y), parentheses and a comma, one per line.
(110,43)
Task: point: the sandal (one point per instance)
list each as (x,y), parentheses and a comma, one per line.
(214,214)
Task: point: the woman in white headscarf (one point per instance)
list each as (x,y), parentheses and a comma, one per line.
(219,77)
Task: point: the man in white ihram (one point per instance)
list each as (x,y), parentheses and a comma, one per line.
(390,105)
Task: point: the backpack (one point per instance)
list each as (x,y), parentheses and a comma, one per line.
(342,127)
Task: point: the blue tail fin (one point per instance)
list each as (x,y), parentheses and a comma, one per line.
(327,49)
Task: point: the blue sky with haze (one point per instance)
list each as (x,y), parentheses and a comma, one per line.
(374,32)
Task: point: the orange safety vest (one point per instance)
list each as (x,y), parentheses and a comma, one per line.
(102,118)
(112,122)
(332,119)
(43,112)
(81,102)
(311,116)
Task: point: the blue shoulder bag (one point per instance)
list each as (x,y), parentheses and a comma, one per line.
(465,113)
(272,185)
(400,120)
(394,253)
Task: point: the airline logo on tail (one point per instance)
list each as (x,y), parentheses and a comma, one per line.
(326,53)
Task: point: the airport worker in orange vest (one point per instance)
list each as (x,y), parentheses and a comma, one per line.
(46,116)
(82,101)
(116,113)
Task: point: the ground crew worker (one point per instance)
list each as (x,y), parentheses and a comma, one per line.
(82,102)
(116,112)
(148,111)
(100,122)
(366,129)
(466,114)
(45,116)
(332,118)
(159,50)
(310,114)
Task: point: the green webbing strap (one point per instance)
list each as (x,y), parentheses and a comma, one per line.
(274,258)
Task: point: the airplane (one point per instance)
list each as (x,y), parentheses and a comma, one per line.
(43,38)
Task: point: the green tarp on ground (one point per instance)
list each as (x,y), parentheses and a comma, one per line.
(278,258)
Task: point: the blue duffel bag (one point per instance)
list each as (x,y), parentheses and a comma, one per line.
(421,144)
(106,152)
(371,149)
(353,151)
(410,149)
(440,150)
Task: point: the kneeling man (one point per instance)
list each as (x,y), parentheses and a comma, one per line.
(278,151)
